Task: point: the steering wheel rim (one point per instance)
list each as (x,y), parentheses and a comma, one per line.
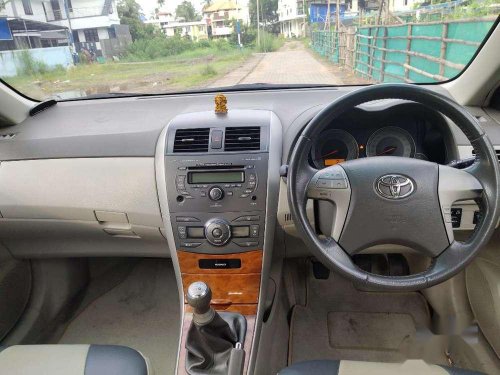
(479,181)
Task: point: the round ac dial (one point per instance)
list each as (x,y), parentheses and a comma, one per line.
(217,231)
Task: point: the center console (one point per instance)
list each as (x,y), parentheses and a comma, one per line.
(213,188)
(217,202)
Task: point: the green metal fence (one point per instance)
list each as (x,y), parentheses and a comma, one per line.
(414,52)
(326,44)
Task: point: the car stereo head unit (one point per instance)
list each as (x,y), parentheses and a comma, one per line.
(216,182)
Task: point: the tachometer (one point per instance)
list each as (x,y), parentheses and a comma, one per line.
(335,146)
(391,141)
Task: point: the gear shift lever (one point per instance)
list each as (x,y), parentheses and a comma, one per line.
(199,296)
(212,335)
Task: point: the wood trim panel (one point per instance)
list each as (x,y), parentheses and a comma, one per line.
(228,289)
(251,262)
(242,308)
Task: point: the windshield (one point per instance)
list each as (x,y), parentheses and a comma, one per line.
(65,49)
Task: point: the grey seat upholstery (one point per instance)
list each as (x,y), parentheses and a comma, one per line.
(72,360)
(410,367)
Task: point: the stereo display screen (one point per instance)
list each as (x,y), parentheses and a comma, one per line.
(216,177)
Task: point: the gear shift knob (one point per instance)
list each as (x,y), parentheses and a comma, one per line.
(199,296)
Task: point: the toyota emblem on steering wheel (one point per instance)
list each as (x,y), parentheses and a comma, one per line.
(394,186)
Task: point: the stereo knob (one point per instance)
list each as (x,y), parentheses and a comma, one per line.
(217,231)
(216,193)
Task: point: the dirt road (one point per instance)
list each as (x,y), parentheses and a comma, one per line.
(292,63)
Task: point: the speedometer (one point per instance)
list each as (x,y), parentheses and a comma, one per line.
(333,147)
(391,141)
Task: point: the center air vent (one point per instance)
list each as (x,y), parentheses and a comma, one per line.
(191,140)
(242,138)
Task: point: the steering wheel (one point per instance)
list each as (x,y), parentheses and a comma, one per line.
(394,200)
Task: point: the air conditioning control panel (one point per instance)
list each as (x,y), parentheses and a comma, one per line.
(231,232)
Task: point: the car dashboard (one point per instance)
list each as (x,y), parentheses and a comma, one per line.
(406,129)
(80,178)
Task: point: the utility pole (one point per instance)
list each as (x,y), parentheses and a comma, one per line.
(338,15)
(327,24)
(258,24)
(70,29)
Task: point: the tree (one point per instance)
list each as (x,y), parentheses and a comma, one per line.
(3,3)
(129,12)
(186,10)
(207,3)
(268,13)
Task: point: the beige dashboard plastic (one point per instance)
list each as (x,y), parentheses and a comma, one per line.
(284,215)
(483,288)
(81,207)
(73,189)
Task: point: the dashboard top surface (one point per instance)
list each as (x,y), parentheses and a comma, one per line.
(131,126)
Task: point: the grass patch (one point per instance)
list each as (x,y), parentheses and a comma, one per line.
(269,42)
(189,69)
(27,65)
(208,71)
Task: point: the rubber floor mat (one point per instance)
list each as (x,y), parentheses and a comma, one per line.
(341,322)
(382,331)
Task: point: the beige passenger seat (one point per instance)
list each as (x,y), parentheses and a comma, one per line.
(72,360)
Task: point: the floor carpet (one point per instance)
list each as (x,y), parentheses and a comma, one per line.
(341,322)
(141,312)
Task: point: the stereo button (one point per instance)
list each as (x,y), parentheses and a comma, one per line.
(247,243)
(247,218)
(254,230)
(217,232)
(216,193)
(190,244)
(186,219)
(216,138)
(181,230)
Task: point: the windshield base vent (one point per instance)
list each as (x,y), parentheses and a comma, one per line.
(244,138)
(191,140)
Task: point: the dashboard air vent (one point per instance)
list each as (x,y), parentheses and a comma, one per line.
(191,140)
(242,138)
(496,150)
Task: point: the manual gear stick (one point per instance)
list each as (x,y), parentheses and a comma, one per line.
(212,335)
(199,296)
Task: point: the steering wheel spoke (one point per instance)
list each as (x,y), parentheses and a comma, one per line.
(331,184)
(456,185)
(395,200)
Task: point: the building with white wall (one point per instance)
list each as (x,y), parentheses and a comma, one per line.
(221,14)
(292,18)
(95,24)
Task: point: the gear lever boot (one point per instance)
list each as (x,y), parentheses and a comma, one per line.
(211,336)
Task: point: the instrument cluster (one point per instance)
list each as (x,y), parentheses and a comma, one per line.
(405,136)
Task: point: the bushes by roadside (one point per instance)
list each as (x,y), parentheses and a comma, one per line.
(30,66)
(150,49)
(161,47)
(269,42)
